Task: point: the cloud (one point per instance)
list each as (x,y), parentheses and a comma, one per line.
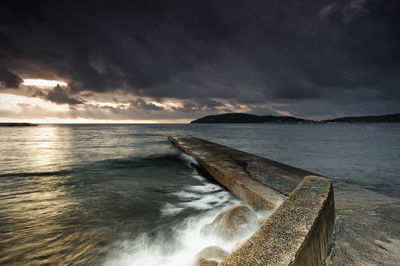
(143,105)
(8,79)
(60,95)
(249,54)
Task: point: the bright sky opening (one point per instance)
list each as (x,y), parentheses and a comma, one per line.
(43,83)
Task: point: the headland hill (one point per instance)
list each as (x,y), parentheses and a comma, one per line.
(249,118)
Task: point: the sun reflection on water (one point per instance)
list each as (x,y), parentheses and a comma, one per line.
(38,218)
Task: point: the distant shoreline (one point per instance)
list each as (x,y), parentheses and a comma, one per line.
(17,125)
(251,119)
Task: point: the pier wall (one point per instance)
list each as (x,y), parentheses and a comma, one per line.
(299,232)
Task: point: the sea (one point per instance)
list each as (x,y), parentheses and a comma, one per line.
(121,194)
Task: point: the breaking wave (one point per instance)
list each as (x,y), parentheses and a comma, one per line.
(186,240)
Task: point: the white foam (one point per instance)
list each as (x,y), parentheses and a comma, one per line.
(197,176)
(170,209)
(208,187)
(202,197)
(206,202)
(186,195)
(189,160)
(211,199)
(144,252)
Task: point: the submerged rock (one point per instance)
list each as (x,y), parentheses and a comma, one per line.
(213,252)
(232,223)
(204,262)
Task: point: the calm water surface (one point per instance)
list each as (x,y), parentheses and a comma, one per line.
(121,194)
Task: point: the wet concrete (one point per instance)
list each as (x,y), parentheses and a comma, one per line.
(222,164)
(299,231)
(367,225)
(281,177)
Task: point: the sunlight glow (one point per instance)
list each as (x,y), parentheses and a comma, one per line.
(95,121)
(19,103)
(18,108)
(43,83)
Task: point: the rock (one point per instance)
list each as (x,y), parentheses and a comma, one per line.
(213,252)
(232,223)
(203,262)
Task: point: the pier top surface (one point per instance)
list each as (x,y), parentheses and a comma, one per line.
(281,177)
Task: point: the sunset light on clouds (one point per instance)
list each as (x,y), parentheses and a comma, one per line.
(134,132)
(117,64)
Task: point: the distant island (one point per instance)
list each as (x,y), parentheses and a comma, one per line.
(17,124)
(392,118)
(249,118)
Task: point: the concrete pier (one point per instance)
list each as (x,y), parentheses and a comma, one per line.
(227,166)
(365,224)
(299,232)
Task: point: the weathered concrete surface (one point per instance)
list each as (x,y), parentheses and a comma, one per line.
(367,227)
(281,177)
(219,161)
(297,233)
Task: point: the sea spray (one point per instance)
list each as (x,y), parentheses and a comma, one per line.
(189,160)
(182,246)
(187,242)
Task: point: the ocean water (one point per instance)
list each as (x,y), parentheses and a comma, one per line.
(123,195)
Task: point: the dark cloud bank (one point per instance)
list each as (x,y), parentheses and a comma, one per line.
(310,58)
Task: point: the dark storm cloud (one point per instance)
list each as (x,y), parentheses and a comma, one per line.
(143,105)
(9,80)
(60,95)
(285,52)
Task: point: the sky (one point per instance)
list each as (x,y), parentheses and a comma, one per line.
(175,61)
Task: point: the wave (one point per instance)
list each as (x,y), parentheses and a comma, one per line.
(205,188)
(209,201)
(203,200)
(189,160)
(202,197)
(150,161)
(29,174)
(181,249)
(145,135)
(130,162)
(119,163)
(170,209)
